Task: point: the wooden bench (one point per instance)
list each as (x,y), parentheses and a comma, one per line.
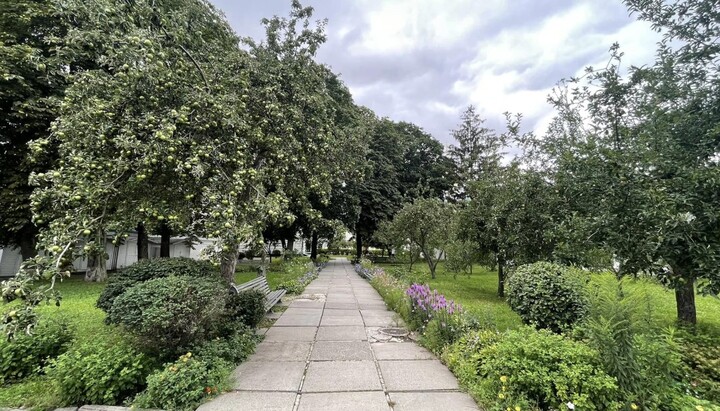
(260,283)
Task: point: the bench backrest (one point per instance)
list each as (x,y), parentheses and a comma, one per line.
(259,283)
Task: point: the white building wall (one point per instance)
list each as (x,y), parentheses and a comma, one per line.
(126,254)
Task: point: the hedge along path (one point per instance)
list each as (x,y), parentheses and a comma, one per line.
(325,352)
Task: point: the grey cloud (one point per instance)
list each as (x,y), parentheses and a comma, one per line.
(404,85)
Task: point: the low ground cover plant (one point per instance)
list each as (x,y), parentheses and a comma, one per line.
(27,355)
(100,372)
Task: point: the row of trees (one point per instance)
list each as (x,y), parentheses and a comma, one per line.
(627,176)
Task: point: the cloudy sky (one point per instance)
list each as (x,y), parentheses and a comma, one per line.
(424,61)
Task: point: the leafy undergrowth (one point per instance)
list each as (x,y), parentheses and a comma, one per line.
(78,309)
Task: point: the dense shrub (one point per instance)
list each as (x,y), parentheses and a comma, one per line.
(463,356)
(276,253)
(233,348)
(701,356)
(145,270)
(170,314)
(184,384)
(244,308)
(99,372)
(249,254)
(539,367)
(27,354)
(241,255)
(547,295)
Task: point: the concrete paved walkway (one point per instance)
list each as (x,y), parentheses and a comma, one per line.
(325,353)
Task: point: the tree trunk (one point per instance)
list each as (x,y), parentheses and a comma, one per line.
(27,241)
(358,245)
(313,246)
(685,297)
(165,241)
(432,267)
(142,242)
(501,278)
(228,262)
(97,264)
(291,244)
(283,244)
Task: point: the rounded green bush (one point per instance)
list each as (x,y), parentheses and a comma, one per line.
(276,253)
(145,270)
(172,313)
(99,372)
(547,295)
(27,354)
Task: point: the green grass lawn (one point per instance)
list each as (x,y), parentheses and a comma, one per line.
(478,294)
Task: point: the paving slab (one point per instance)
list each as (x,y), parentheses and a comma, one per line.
(307,304)
(291,334)
(340,313)
(384,321)
(303,311)
(333,321)
(328,376)
(432,401)
(249,400)
(345,401)
(342,333)
(269,376)
(341,306)
(420,375)
(341,350)
(400,351)
(281,351)
(298,321)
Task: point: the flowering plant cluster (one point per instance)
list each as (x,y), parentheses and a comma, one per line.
(426,304)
